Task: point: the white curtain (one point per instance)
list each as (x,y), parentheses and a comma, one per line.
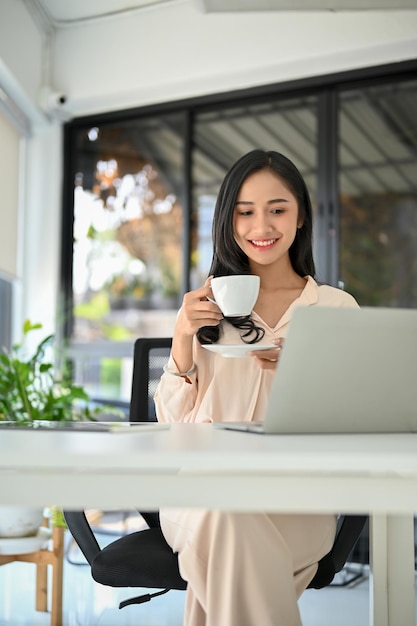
(10,142)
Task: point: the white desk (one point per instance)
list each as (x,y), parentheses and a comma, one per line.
(198,465)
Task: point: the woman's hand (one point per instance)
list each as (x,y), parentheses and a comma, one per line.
(197,311)
(268,359)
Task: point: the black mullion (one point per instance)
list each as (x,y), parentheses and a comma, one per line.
(332,129)
(187,201)
(65,304)
(327,230)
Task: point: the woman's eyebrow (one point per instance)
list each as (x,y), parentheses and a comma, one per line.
(273,201)
(277,200)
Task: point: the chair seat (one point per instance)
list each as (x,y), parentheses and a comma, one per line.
(140,559)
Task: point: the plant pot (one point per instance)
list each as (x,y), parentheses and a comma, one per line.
(20,521)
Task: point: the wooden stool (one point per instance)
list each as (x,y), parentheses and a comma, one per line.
(53,556)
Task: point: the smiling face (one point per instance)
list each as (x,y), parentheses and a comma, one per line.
(265,219)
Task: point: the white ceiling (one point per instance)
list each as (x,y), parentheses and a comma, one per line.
(63,12)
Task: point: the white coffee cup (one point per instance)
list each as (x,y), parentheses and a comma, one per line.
(235,295)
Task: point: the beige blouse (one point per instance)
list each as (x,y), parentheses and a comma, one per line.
(233,389)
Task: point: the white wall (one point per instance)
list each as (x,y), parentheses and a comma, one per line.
(24,68)
(163,53)
(41,234)
(22,46)
(177,51)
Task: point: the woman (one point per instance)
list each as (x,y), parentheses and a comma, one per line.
(246,569)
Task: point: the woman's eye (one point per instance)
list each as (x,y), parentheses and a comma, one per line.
(277,211)
(245,212)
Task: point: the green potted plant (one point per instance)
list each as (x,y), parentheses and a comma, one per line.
(31,392)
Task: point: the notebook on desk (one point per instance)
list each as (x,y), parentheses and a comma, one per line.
(344,371)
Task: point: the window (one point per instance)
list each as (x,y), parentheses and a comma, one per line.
(127,249)
(128,224)
(10,175)
(5,313)
(288,125)
(378,193)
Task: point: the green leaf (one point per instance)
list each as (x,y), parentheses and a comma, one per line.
(28,326)
(40,350)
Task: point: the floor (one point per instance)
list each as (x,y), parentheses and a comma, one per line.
(87,603)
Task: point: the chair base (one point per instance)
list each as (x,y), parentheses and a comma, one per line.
(146,597)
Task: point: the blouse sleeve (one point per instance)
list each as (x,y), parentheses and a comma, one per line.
(175,396)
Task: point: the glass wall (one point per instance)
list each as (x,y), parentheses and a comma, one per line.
(220,137)
(378,193)
(127,262)
(128,224)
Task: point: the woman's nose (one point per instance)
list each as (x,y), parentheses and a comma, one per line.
(263,223)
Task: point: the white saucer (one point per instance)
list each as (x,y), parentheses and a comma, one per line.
(237,351)
(24,545)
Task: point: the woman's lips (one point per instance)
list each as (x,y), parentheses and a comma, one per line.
(263,243)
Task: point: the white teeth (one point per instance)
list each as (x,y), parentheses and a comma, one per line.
(263,243)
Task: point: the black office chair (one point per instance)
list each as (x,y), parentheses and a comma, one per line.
(143,558)
(149,357)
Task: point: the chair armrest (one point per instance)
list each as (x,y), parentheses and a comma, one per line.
(80,529)
(151,518)
(346,539)
(348,531)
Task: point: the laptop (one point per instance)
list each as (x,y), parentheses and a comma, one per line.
(344,370)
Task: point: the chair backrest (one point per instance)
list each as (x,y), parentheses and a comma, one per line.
(150,354)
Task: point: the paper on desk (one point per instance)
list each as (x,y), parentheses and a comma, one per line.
(136,427)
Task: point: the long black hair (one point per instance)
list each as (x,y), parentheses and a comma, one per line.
(228,257)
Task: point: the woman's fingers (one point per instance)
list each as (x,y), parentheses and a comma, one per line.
(196,302)
(197,311)
(268,359)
